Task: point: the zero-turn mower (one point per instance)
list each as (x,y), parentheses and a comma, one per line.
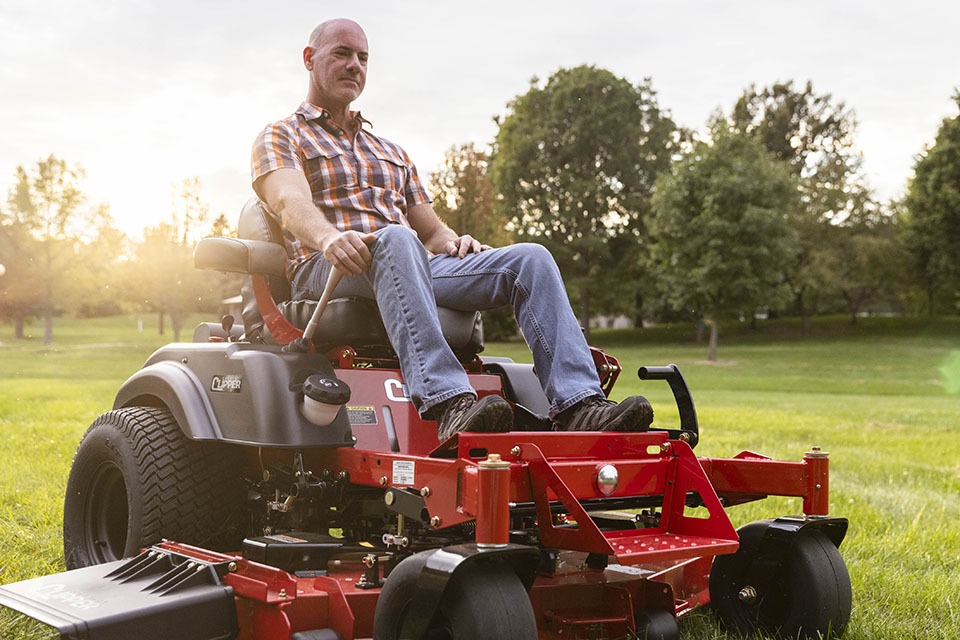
(241,489)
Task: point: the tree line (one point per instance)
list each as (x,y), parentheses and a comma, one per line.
(764,209)
(63,254)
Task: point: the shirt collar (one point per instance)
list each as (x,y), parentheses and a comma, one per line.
(313,112)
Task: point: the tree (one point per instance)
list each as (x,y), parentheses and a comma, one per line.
(18,292)
(42,204)
(464,199)
(574,162)
(720,234)
(102,256)
(463,196)
(814,135)
(933,213)
(164,270)
(222,227)
(870,258)
(164,260)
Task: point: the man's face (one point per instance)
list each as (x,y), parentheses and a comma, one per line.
(338,65)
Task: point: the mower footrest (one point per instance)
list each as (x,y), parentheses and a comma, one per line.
(631,547)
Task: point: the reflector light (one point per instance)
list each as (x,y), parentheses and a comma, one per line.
(607,479)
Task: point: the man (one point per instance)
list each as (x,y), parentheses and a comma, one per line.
(353,200)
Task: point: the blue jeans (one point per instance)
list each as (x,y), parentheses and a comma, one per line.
(408,284)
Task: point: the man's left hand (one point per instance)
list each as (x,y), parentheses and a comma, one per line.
(463,245)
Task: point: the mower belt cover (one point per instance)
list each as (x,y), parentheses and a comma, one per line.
(157,595)
(295,551)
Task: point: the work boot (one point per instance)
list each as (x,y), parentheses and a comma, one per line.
(491,414)
(596,413)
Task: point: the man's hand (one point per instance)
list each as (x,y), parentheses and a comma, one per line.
(348,250)
(463,245)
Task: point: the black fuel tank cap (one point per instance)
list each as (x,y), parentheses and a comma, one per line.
(326,390)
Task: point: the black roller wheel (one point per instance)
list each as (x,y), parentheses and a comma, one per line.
(657,624)
(136,479)
(482,601)
(799,590)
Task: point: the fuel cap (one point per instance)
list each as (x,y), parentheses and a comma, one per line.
(326,390)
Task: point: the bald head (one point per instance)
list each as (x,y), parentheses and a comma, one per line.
(336,59)
(324,28)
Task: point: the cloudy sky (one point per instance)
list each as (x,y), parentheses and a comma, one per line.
(143,93)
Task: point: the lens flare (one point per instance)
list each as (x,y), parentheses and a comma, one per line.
(950,370)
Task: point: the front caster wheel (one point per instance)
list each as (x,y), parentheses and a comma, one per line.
(482,601)
(657,624)
(800,590)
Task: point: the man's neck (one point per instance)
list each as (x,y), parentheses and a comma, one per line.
(339,113)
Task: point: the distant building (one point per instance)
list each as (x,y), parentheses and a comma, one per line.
(611,322)
(232,306)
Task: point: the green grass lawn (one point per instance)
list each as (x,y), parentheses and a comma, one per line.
(876,396)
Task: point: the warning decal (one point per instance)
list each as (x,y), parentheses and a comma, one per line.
(361,414)
(283,538)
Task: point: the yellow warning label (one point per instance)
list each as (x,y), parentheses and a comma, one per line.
(361,414)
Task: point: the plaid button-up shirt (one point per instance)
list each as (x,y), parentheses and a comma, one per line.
(360,184)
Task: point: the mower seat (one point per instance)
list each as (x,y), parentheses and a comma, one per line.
(352,321)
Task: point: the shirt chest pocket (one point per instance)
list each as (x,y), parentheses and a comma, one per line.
(327,169)
(387,170)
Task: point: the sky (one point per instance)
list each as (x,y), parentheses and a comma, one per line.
(144,94)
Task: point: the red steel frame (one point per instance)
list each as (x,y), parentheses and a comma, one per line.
(664,567)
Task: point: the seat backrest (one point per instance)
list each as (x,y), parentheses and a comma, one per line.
(257,224)
(355,320)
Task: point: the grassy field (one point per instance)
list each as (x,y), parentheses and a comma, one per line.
(881,397)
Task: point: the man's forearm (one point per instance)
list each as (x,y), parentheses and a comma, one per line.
(304,220)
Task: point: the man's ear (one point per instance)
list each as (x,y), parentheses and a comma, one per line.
(308,58)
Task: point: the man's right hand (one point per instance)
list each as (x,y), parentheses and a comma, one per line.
(287,193)
(348,250)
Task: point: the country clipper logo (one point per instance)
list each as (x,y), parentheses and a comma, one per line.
(226,383)
(57,592)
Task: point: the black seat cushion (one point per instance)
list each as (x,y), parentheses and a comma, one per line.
(352,321)
(356,322)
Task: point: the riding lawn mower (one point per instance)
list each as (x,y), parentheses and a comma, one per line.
(263,484)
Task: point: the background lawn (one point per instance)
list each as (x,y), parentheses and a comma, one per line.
(876,396)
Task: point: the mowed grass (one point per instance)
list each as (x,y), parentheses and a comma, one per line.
(876,396)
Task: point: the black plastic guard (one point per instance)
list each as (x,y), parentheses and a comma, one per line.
(784,529)
(157,595)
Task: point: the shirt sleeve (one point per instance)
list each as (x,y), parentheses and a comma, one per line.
(413,191)
(276,147)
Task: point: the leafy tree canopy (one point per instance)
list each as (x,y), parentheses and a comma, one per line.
(933,205)
(42,205)
(814,135)
(574,161)
(720,233)
(463,196)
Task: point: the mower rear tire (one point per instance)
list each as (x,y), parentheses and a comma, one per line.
(802,590)
(481,601)
(136,479)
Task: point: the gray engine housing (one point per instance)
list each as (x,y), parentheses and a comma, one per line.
(235,392)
